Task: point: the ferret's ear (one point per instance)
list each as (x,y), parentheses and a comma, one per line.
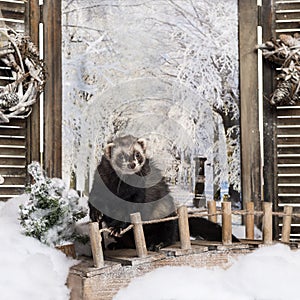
(142,142)
(108,150)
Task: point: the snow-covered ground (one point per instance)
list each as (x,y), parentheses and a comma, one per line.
(31,270)
(270,273)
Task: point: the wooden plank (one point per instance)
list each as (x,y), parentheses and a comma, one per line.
(250,149)
(13,170)
(10,6)
(12,161)
(289,160)
(269,120)
(288,178)
(11,131)
(13,180)
(32,18)
(53,89)
(17,15)
(11,191)
(10,151)
(288,130)
(10,141)
(129,257)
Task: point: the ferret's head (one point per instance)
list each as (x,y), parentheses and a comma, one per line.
(126,154)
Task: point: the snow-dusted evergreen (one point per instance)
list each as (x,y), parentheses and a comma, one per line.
(51,211)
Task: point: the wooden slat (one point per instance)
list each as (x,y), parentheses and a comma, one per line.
(12,151)
(289,160)
(13,161)
(17,6)
(13,15)
(13,180)
(13,170)
(288,178)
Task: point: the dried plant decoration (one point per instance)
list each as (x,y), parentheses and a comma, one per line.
(285,54)
(27,71)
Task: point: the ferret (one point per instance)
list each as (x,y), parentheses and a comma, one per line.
(127,181)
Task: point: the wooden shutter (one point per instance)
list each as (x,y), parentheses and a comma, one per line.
(13,134)
(287,21)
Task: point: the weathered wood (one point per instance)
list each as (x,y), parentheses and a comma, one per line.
(286,227)
(127,257)
(269,115)
(96,244)
(68,250)
(89,283)
(184,231)
(212,210)
(267,223)
(32,18)
(250,147)
(226,223)
(250,220)
(53,88)
(139,237)
(176,250)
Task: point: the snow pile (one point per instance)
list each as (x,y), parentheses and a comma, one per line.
(270,273)
(28,268)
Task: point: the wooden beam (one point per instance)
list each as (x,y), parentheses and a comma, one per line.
(53,89)
(250,146)
(269,117)
(32,19)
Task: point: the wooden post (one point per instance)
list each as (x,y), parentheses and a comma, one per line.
(184,231)
(267,223)
(96,244)
(212,210)
(226,223)
(286,227)
(250,220)
(139,237)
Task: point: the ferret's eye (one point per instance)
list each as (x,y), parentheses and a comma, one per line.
(120,156)
(137,155)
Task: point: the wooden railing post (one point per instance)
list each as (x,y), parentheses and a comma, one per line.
(286,226)
(226,223)
(184,231)
(96,244)
(212,210)
(250,221)
(267,223)
(139,236)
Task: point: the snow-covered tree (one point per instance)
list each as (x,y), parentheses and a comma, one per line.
(51,211)
(164,69)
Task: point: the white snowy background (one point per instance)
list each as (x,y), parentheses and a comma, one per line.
(30,270)
(166,70)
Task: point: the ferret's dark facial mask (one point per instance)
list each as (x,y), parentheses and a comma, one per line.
(128,157)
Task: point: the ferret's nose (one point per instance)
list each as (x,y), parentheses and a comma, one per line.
(132,165)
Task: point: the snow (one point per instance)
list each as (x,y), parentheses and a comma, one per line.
(28,268)
(269,273)
(32,270)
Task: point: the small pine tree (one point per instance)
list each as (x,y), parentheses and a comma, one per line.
(51,211)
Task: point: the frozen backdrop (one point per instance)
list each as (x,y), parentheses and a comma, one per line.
(166,70)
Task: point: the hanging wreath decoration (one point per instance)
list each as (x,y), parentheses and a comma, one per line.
(20,59)
(285,55)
